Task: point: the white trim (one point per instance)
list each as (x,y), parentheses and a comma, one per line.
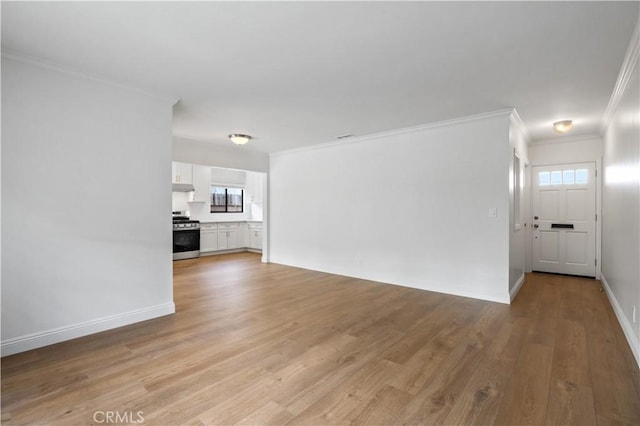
(566,139)
(626,72)
(516,288)
(599,175)
(266,218)
(37,62)
(358,139)
(627,328)
(60,334)
(568,163)
(229,251)
(515,117)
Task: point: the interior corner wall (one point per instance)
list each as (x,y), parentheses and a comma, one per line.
(410,208)
(212,154)
(621,210)
(517,235)
(86,195)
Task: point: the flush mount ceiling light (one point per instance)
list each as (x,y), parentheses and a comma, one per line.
(562,126)
(239,139)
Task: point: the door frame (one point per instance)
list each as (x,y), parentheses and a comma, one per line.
(529,221)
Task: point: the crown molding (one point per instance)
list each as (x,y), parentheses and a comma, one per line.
(41,63)
(630,62)
(505,112)
(518,120)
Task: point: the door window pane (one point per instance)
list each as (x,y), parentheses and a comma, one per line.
(556,178)
(567,177)
(582,176)
(543,178)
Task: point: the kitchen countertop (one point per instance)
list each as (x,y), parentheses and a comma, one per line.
(231,221)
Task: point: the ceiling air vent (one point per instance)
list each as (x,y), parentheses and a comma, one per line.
(345,136)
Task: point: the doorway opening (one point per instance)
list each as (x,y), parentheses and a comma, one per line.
(227,206)
(564,219)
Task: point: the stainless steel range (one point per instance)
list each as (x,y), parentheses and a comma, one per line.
(186,238)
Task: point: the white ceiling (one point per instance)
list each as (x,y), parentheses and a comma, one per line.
(296,74)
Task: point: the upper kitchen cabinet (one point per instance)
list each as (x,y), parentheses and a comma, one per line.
(181,173)
(255,183)
(201,178)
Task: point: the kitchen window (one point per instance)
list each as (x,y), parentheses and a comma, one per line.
(227,200)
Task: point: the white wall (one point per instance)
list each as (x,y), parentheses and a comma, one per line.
(518,140)
(180,201)
(86,242)
(212,154)
(578,149)
(408,208)
(621,201)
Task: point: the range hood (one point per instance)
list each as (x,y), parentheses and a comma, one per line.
(182,187)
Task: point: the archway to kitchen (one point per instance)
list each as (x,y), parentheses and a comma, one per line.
(210,182)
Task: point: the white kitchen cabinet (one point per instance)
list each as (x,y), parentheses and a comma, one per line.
(255,236)
(208,237)
(201,178)
(243,235)
(222,236)
(228,236)
(181,172)
(255,182)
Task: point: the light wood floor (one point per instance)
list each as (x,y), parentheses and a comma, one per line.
(267,344)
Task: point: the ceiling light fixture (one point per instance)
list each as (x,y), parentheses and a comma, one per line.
(239,139)
(562,126)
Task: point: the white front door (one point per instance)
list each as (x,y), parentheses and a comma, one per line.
(564,219)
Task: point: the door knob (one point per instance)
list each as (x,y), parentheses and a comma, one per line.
(535,217)
(536,226)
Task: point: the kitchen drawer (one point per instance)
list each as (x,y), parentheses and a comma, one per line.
(227,226)
(209,226)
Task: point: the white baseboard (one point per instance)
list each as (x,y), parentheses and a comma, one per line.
(516,288)
(627,328)
(60,334)
(238,250)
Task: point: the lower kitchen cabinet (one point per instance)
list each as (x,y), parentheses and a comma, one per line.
(255,236)
(208,237)
(228,236)
(222,236)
